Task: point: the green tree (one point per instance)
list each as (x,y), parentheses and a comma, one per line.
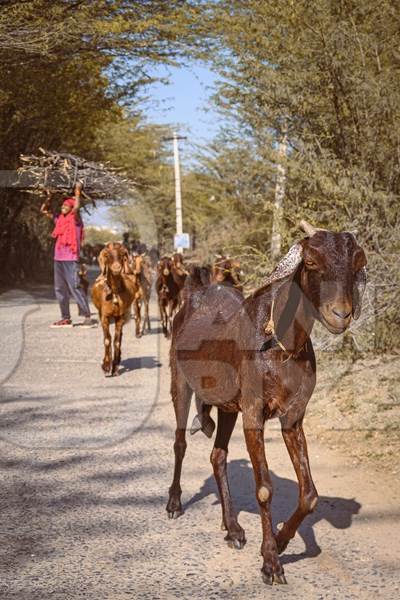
(327,74)
(67,69)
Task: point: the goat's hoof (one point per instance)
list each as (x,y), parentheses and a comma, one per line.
(236,540)
(236,544)
(269,577)
(106,368)
(174,507)
(138,335)
(223,526)
(175,514)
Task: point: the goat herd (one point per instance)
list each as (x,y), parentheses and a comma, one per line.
(126,280)
(252,355)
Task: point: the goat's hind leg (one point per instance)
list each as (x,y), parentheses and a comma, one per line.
(106,364)
(181,395)
(119,323)
(226,423)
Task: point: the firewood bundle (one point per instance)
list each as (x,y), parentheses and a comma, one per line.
(56,173)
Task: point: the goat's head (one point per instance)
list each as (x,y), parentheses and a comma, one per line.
(137,263)
(178,264)
(332,275)
(164,266)
(226,268)
(114,259)
(177,259)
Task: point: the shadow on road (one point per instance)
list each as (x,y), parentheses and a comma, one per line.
(140,362)
(337,511)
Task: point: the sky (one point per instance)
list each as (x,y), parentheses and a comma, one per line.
(183,103)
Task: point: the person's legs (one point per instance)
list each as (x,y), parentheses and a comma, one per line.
(76,291)
(61,288)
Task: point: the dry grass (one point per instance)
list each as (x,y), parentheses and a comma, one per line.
(356,407)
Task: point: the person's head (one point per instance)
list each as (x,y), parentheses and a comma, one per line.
(67,205)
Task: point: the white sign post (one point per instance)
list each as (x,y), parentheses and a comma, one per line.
(181,241)
(178,194)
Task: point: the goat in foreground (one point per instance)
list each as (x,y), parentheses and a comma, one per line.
(112,295)
(256,356)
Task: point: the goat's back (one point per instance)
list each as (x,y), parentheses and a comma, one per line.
(207,314)
(205,343)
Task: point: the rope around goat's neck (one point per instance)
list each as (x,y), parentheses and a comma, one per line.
(269,329)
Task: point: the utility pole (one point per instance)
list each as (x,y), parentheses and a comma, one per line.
(280,185)
(178,194)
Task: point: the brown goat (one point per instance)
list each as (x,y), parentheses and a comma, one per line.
(141,269)
(256,356)
(83,277)
(179,274)
(168,292)
(112,295)
(226,271)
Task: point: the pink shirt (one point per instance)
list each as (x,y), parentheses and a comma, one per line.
(63,251)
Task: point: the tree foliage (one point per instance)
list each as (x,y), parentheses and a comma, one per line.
(326,73)
(71,73)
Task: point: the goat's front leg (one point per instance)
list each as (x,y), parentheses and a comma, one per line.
(106,365)
(172,304)
(146,318)
(136,308)
(163,317)
(272,570)
(297,447)
(119,323)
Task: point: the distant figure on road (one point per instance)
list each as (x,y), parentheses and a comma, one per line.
(68,234)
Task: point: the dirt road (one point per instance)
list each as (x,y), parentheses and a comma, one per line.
(86,462)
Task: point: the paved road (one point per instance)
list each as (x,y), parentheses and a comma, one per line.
(85,468)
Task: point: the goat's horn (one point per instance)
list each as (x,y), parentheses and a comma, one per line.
(307,228)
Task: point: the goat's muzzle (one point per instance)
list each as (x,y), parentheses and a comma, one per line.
(116,268)
(166,272)
(336,317)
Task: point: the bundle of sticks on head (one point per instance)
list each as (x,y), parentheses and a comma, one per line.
(57,173)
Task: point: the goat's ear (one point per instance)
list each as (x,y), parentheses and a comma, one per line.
(126,268)
(102,263)
(287,265)
(359,285)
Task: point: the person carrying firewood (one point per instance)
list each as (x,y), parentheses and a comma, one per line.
(68,235)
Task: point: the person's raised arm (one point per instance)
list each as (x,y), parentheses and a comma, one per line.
(77,196)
